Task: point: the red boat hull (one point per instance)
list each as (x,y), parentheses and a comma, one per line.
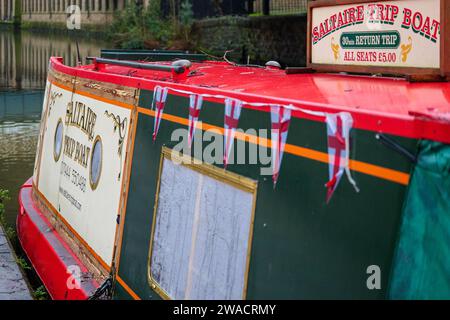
(50,256)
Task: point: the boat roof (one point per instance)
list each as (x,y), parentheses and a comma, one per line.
(382,104)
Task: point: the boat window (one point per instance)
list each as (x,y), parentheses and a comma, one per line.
(202,230)
(57,144)
(96,163)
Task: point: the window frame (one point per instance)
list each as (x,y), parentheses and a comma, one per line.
(94,184)
(235,180)
(56,156)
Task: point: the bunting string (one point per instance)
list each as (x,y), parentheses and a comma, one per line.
(158,103)
(195,105)
(338,132)
(232,113)
(339,126)
(281,118)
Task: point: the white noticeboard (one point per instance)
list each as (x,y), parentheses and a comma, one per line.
(201,236)
(69,157)
(404,33)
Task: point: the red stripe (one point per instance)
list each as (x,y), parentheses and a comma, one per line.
(282,127)
(159,105)
(231,122)
(194,112)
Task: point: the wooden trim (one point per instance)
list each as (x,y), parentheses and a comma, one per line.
(42,130)
(127,288)
(154,284)
(250,240)
(308,35)
(396,71)
(328,3)
(93,96)
(125,186)
(108,90)
(418,74)
(445,39)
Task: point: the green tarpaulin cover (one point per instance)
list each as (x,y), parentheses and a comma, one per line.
(421,268)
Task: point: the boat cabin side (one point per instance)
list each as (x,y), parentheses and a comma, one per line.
(174,187)
(144,193)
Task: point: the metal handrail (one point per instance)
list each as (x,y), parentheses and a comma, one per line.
(139,65)
(141,51)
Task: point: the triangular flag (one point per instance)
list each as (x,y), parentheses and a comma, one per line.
(232,113)
(159,101)
(281,118)
(195,105)
(338,131)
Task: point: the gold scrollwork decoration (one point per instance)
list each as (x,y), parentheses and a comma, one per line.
(52,100)
(406,49)
(113,91)
(120,126)
(335,49)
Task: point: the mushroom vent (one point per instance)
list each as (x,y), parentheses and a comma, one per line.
(273,64)
(182,63)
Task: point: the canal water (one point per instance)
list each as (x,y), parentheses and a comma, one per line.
(23,67)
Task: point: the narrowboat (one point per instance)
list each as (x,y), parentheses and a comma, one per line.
(169,175)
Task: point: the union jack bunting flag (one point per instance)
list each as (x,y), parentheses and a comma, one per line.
(338,130)
(232,113)
(281,118)
(195,105)
(158,103)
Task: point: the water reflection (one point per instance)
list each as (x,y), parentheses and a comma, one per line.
(23,71)
(19,127)
(24,56)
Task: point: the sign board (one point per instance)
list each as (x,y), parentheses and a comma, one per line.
(79,170)
(399,37)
